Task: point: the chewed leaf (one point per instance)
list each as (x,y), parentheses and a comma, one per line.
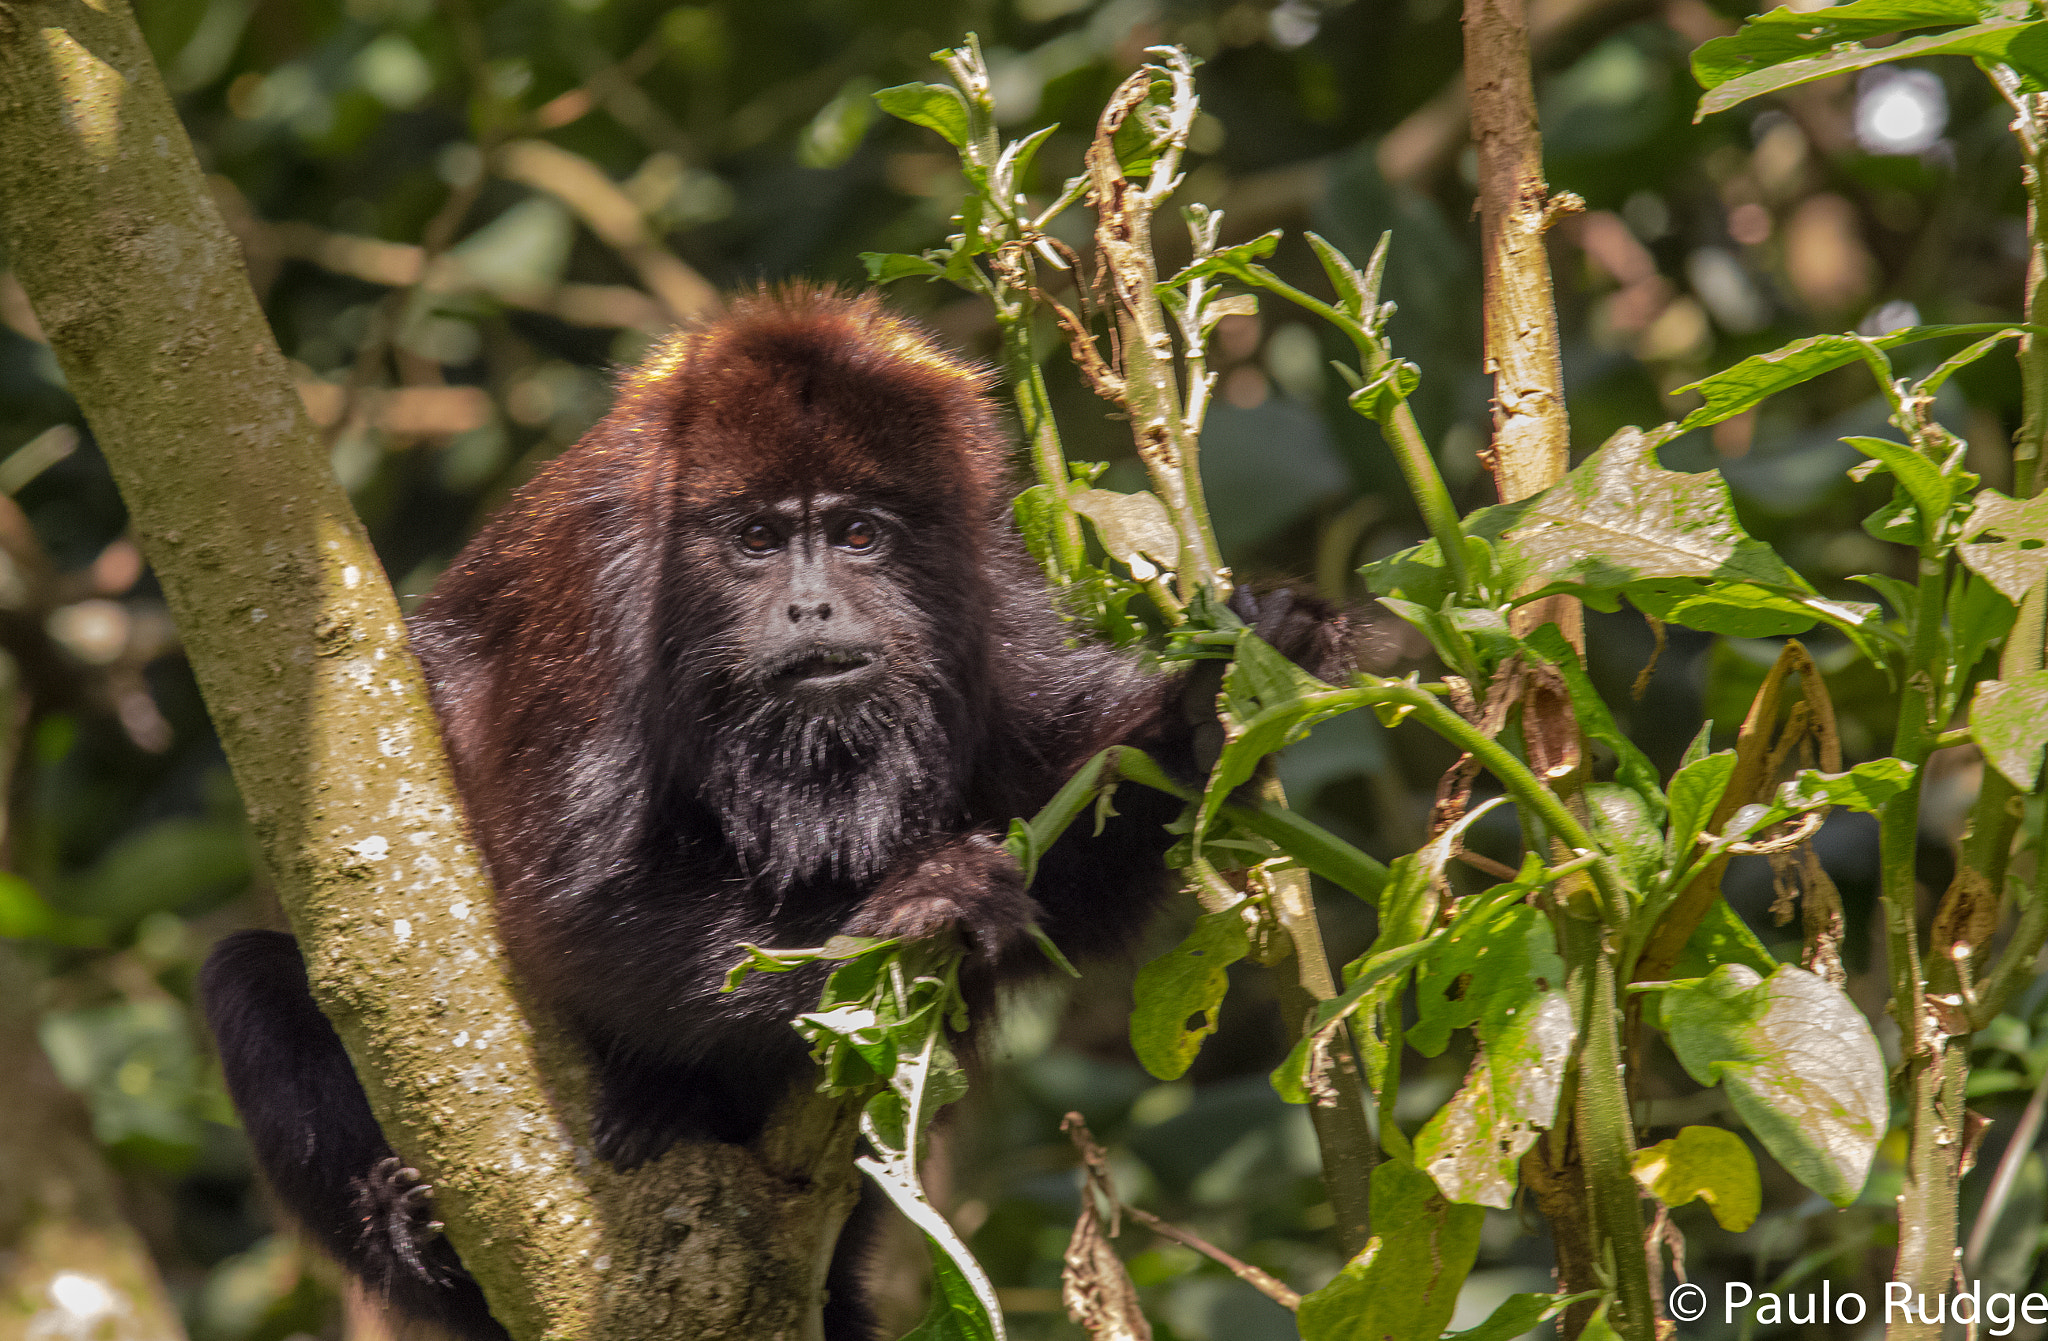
(1620,517)
(1708,1163)
(1799,1064)
(1177,995)
(1405,1284)
(2005,542)
(2009,722)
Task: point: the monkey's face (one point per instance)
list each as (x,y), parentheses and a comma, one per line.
(820,614)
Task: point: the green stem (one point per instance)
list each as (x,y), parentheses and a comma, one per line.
(1927,1200)
(1041,437)
(1403,434)
(1606,1133)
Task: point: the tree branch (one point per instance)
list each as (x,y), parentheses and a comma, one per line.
(298,647)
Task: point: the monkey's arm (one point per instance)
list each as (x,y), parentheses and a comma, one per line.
(1098,888)
(316,1141)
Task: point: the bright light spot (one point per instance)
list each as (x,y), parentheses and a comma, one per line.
(1293,24)
(1900,111)
(374,848)
(1895,315)
(402,929)
(81,1296)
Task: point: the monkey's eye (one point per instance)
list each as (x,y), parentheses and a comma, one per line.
(759,538)
(858,535)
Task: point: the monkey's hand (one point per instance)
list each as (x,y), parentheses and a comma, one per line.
(970,884)
(1309,631)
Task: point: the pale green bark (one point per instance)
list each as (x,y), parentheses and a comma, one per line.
(298,646)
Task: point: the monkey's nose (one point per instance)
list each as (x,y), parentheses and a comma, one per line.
(798,613)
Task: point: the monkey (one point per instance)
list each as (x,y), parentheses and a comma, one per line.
(760,658)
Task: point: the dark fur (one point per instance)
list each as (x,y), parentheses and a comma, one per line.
(647,798)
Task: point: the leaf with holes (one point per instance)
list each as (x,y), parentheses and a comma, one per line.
(1405,1284)
(2005,542)
(1502,977)
(1177,995)
(2009,722)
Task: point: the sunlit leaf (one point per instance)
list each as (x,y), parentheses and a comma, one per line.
(1502,977)
(1620,517)
(2005,541)
(886,267)
(2017,42)
(1798,1062)
(1517,1315)
(1745,385)
(1709,1163)
(2009,722)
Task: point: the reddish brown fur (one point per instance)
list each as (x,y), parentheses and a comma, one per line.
(618,753)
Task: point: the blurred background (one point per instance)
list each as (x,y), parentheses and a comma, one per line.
(462,218)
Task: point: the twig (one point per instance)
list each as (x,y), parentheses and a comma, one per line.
(1264,1283)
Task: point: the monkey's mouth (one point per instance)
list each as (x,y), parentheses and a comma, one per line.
(823,668)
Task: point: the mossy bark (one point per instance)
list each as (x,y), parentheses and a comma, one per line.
(297,643)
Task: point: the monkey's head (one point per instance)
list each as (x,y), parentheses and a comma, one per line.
(834,482)
(756,595)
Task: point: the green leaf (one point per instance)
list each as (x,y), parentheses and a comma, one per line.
(1799,1064)
(1621,518)
(1235,261)
(1747,384)
(1931,489)
(1865,788)
(1501,976)
(1721,937)
(1978,617)
(2005,542)
(1269,703)
(886,267)
(2016,42)
(2009,722)
(1383,393)
(1291,1079)
(1517,1315)
(1357,294)
(1780,35)
(964,1306)
(934,106)
(1130,525)
(1176,996)
(1695,791)
(1027,841)
(1417,574)
(1405,1284)
(1709,1163)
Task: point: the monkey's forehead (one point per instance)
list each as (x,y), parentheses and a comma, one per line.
(801,390)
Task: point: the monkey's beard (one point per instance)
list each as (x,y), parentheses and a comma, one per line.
(828,792)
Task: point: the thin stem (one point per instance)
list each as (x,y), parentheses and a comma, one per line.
(2016,1151)
(1041,437)
(1935,1065)
(1404,436)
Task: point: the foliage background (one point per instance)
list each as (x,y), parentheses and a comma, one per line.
(343,136)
